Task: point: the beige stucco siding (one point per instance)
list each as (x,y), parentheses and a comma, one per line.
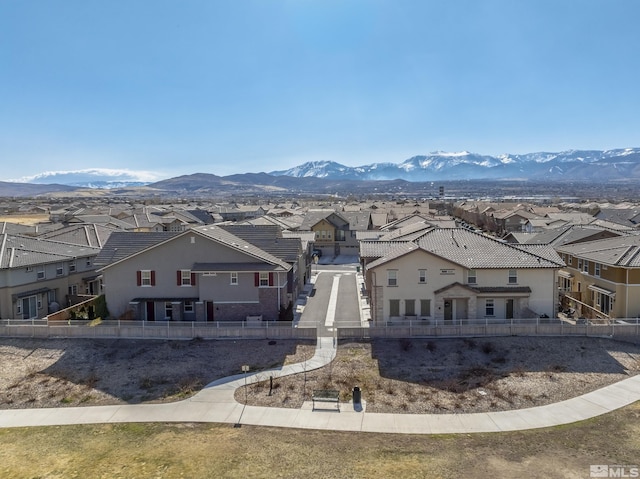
(442,273)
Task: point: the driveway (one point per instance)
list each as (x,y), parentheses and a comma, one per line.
(334,299)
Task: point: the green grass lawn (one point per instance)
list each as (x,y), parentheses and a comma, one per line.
(222,451)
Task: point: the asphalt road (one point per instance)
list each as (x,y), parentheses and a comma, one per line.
(344,304)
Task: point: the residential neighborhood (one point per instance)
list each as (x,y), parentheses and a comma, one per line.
(433,261)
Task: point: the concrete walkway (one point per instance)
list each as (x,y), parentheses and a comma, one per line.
(216,403)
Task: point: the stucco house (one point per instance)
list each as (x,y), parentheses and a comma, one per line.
(453,273)
(202,274)
(331,229)
(601,278)
(40,276)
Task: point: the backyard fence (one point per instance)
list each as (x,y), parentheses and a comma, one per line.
(41,328)
(621,329)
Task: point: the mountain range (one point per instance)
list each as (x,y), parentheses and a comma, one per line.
(328,177)
(573,165)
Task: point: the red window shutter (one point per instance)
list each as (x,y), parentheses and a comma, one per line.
(153,278)
(139,277)
(193,279)
(179,278)
(270,279)
(256,279)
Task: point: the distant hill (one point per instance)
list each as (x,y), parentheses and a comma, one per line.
(9,189)
(416,175)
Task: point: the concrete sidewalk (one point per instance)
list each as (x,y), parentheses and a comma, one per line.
(216,403)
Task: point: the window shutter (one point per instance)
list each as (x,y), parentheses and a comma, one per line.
(179,278)
(139,277)
(270,279)
(256,279)
(193,279)
(153,278)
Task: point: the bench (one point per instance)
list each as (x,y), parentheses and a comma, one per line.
(326,395)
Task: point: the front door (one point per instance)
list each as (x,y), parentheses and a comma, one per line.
(151,311)
(209,310)
(509,311)
(448,310)
(461,308)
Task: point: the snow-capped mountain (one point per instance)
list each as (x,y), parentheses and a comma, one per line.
(567,165)
(93,178)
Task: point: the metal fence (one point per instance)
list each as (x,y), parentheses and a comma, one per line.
(622,329)
(41,328)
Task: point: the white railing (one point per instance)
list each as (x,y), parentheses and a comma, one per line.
(154,329)
(624,329)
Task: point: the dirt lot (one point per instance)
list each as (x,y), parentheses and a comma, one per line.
(459,375)
(65,372)
(406,376)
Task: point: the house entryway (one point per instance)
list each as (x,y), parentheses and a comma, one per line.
(456,308)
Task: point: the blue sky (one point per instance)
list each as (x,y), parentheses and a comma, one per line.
(224,87)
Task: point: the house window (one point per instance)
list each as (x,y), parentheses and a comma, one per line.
(72,266)
(59,269)
(234,279)
(73,289)
(489,309)
(88,263)
(328,234)
(185,277)
(394,307)
(586,266)
(471,277)
(392,278)
(188,306)
(145,278)
(580,264)
(40,272)
(51,296)
(264,279)
(596,269)
(513,276)
(410,307)
(422,276)
(28,307)
(570,262)
(425,307)
(168,310)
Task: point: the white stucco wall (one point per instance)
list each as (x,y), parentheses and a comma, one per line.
(442,273)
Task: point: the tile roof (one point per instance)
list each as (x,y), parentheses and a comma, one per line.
(475,250)
(81,234)
(19,251)
(396,251)
(270,239)
(122,244)
(378,249)
(622,251)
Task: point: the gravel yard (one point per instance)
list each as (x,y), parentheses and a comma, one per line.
(403,376)
(459,375)
(74,372)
